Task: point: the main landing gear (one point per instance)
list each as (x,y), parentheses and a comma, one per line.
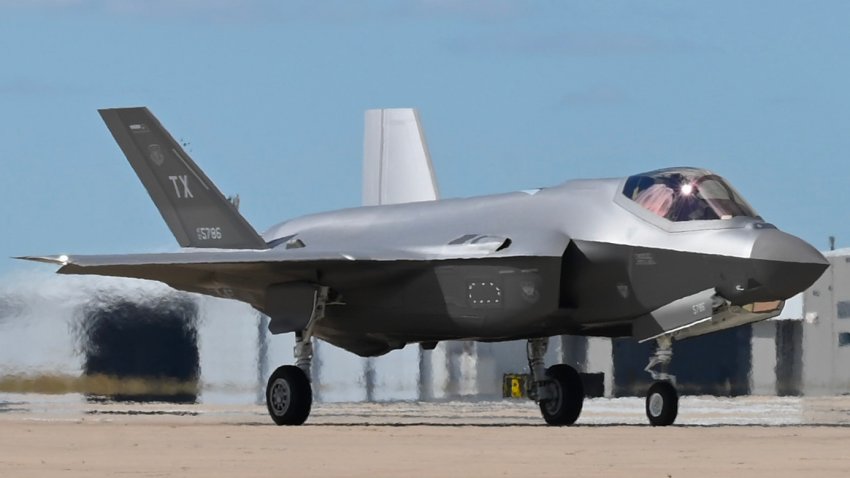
(662,399)
(557,389)
(289,395)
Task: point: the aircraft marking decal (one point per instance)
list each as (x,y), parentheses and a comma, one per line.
(156,154)
(698,308)
(208,233)
(644,259)
(529,291)
(139,128)
(183,181)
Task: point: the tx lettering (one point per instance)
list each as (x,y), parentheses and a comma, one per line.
(184,181)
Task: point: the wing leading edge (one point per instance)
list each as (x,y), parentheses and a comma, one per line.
(233,274)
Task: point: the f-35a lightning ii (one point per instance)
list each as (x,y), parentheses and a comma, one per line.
(662,255)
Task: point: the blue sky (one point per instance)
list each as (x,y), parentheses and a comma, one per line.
(513,95)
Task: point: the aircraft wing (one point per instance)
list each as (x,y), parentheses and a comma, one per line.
(224,272)
(204,271)
(466,247)
(237,274)
(247,275)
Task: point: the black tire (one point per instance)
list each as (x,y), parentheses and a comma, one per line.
(289,396)
(565,407)
(662,404)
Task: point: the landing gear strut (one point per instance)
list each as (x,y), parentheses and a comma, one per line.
(289,395)
(662,399)
(558,390)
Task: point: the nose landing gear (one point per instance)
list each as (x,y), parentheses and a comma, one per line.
(662,399)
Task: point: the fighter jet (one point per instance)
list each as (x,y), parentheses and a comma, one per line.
(661,255)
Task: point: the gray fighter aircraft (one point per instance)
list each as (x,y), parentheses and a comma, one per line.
(662,255)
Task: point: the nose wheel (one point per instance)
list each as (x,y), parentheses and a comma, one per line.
(662,399)
(662,404)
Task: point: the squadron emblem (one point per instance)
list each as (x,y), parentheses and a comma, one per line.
(530,292)
(155,153)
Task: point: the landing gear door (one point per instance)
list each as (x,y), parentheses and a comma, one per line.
(675,315)
(290,306)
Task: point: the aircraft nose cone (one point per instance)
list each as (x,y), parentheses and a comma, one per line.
(786,265)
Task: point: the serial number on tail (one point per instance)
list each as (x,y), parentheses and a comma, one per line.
(208,233)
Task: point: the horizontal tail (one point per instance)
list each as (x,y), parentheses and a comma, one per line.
(194,209)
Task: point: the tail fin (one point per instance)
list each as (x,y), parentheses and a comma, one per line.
(396,163)
(194,209)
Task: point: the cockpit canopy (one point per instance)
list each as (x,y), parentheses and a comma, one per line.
(686,194)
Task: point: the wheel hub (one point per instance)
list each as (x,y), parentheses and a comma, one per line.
(656,404)
(280,396)
(553,403)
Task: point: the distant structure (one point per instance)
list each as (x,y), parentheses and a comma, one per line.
(826,330)
(153,343)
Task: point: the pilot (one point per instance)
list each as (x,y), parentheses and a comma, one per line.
(691,206)
(657,198)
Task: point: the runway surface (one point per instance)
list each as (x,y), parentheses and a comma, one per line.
(749,436)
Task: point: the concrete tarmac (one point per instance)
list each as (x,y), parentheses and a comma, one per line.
(748,436)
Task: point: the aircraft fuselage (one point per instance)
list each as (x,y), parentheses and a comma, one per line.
(578,258)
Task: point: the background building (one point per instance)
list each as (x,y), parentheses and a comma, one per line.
(826,329)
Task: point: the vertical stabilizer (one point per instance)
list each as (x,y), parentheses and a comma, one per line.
(194,209)
(396,163)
